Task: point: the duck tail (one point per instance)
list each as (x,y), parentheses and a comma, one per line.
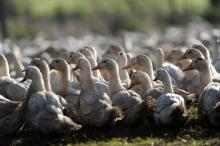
(178,111)
(116,114)
(147,106)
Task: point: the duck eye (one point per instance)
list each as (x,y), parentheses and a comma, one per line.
(57,61)
(189,52)
(104,61)
(121,53)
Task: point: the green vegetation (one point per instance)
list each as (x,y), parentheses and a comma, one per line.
(107,16)
(111,16)
(192,134)
(43,8)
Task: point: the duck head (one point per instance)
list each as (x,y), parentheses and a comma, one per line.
(198,64)
(191,54)
(72,57)
(82,63)
(161,74)
(58,64)
(106,64)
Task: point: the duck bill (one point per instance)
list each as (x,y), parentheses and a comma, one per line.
(188,68)
(155,79)
(128,66)
(51,67)
(131,86)
(68,61)
(24,79)
(76,68)
(183,57)
(96,67)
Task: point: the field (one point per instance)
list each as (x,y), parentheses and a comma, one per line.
(147,134)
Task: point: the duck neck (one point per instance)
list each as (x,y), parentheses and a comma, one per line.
(86,79)
(95,74)
(114,81)
(207,56)
(148,68)
(37,85)
(205,76)
(64,80)
(18,67)
(46,78)
(167,84)
(147,84)
(4,70)
(124,74)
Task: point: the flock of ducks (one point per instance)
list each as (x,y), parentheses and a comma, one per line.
(53,94)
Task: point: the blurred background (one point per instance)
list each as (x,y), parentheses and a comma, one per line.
(27,18)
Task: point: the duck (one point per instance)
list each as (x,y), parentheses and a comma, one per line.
(147,89)
(74,56)
(205,74)
(11,116)
(170,110)
(44,112)
(204,50)
(143,63)
(174,57)
(87,50)
(42,65)
(112,51)
(63,85)
(44,69)
(209,100)
(199,51)
(86,67)
(10,88)
(69,101)
(95,108)
(143,79)
(133,107)
(175,72)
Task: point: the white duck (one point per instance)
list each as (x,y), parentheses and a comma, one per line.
(63,85)
(174,71)
(205,75)
(44,110)
(95,108)
(85,68)
(10,88)
(209,100)
(133,108)
(170,109)
(196,53)
(141,63)
(45,71)
(174,57)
